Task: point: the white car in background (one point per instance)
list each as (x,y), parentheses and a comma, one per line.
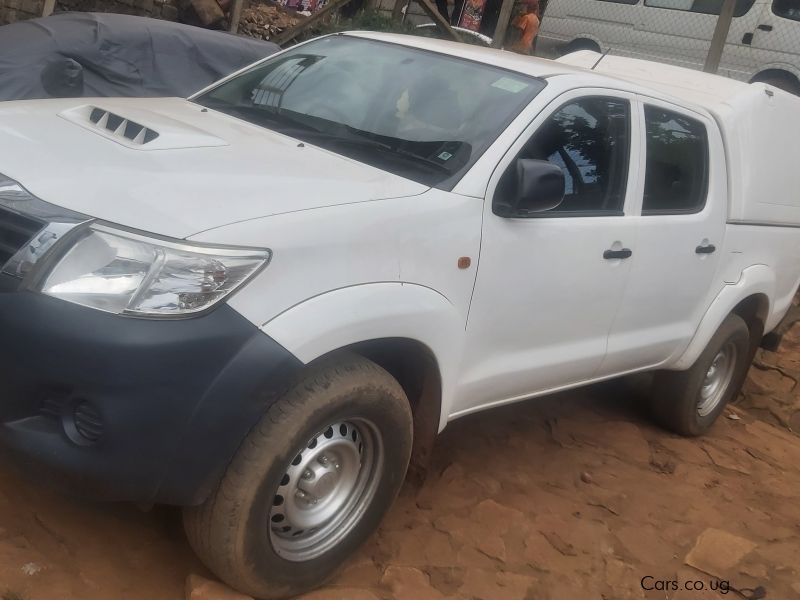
(763,43)
(263,302)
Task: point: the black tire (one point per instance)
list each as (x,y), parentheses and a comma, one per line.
(677,395)
(788,82)
(580,44)
(231,531)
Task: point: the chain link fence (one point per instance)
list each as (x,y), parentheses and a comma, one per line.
(756,40)
(759,41)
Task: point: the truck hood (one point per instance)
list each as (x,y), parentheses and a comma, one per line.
(171,167)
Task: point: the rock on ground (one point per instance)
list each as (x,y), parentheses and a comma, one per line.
(200,588)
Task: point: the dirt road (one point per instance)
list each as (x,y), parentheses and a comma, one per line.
(576,496)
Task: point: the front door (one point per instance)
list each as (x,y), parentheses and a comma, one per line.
(680,239)
(549,284)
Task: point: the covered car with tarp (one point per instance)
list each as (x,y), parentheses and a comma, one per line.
(98,54)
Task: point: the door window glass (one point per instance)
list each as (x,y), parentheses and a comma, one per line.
(676,177)
(788,9)
(707,7)
(589,139)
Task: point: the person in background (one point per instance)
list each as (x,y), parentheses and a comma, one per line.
(526,25)
(441,5)
(458,8)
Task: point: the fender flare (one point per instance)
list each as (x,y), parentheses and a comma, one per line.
(360,313)
(757,279)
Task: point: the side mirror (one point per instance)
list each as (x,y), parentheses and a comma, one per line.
(539,187)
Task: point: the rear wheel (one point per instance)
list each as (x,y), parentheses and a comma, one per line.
(309,484)
(688,402)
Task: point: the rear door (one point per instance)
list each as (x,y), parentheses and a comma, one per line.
(680,226)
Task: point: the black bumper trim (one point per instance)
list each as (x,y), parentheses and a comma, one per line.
(176,398)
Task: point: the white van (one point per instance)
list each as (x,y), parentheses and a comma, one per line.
(763,43)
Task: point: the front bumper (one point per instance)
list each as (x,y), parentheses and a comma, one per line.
(166,402)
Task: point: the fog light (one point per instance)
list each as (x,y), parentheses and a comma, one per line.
(87,423)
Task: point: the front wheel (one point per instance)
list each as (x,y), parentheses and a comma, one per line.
(310,482)
(688,402)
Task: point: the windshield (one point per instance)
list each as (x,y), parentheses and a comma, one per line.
(418,114)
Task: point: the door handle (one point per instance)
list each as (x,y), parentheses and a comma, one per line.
(747,39)
(707,249)
(765,27)
(617,254)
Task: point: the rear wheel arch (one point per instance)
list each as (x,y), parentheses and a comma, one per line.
(750,298)
(754,310)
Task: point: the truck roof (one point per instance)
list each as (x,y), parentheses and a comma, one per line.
(693,88)
(710,91)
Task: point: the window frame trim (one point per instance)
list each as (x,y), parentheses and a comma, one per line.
(657,103)
(635,137)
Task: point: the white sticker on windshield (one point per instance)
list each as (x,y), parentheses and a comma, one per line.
(445,156)
(510,85)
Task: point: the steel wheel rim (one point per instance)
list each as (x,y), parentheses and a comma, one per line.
(326,489)
(717,380)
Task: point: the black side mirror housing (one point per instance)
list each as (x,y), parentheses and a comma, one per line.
(540,186)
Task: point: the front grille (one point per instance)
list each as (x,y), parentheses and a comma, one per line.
(88,422)
(15,231)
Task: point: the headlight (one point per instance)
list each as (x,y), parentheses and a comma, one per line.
(125,273)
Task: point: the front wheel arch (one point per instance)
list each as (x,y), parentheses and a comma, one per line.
(415,367)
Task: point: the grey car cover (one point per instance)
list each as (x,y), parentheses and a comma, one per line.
(98,54)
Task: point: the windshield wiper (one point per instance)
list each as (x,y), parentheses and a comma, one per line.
(341,136)
(352,138)
(258,115)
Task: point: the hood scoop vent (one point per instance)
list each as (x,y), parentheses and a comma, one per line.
(125,122)
(122,127)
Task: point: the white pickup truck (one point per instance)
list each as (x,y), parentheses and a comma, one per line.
(255,303)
